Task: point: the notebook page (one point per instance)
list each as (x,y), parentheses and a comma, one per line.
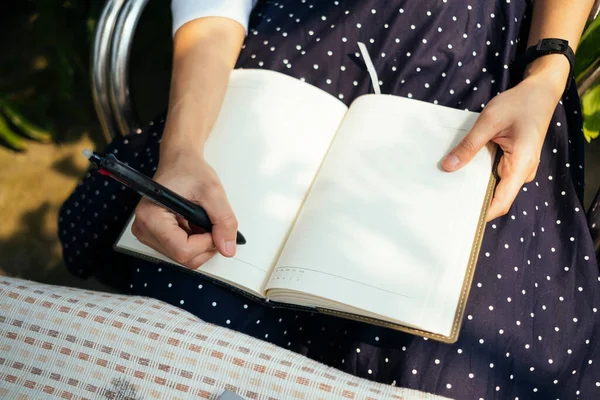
(384,228)
(266,147)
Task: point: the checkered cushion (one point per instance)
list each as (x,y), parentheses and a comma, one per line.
(58,342)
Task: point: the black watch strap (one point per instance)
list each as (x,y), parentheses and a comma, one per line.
(543,48)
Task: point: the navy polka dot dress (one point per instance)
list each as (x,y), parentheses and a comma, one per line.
(531,328)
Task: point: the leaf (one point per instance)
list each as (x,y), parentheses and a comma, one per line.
(26,127)
(10,138)
(588,50)
(590,104)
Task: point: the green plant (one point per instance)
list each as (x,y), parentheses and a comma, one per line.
(44,71)
(587,76)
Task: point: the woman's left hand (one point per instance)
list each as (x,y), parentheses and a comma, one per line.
(517,120)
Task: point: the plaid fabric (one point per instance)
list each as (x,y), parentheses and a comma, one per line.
(58,342)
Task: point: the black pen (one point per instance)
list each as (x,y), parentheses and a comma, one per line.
(153,191)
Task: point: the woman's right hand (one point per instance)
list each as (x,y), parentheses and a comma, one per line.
(204,53)
(189,175)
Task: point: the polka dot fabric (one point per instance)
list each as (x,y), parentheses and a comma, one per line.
(531,326)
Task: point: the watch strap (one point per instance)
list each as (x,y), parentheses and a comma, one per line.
(543,48)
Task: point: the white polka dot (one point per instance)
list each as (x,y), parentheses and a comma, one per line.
(491,365)
(449,386)
(414,371)
(357,350)
(459,351)
(491,308)
(170,285)
(181,301)
(214,303)
(471,375)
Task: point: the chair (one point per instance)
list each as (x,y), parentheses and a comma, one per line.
(110,80)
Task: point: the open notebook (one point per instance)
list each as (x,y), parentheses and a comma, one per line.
(347,210)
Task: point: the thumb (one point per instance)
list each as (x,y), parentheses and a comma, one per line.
(225,224)
(482,131)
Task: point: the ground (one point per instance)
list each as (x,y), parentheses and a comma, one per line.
(33,186)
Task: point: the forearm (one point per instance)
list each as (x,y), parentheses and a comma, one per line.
(564,19)
(204,53)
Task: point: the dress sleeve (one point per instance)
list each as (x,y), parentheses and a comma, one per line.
(187,10)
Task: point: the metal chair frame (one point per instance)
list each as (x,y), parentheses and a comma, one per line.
(110,79)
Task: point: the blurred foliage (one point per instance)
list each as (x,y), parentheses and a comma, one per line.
(590,103)
(588,61)
(44,69)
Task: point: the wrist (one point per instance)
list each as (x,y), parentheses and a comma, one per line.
(552,70)
(184,133)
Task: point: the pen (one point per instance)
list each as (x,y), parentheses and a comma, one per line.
(153,191)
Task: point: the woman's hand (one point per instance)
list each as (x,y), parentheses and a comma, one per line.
(204,53)
(187,174)
(517,120)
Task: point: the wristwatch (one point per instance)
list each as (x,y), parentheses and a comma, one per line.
(543,48)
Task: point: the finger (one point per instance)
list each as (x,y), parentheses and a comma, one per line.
(198,261)
(513,172)
(484,129)
(224,230)
(533,173)
(531,176)
(160,230)
(184,224)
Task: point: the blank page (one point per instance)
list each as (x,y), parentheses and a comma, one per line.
(266,147)
(384,228)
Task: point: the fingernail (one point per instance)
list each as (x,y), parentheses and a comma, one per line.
(230,247)
(452,161)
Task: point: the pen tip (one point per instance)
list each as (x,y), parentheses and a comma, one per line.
(240,239)
(87,153)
